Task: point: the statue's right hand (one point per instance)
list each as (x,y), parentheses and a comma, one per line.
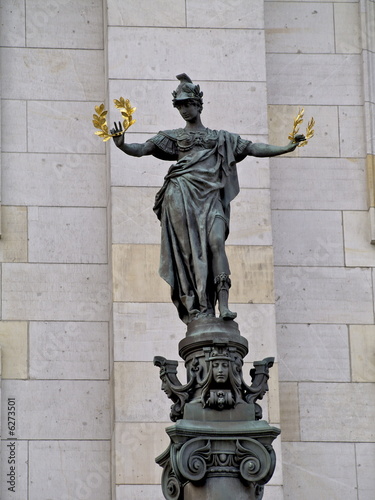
(118,139)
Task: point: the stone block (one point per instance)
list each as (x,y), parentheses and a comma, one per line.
(54,180)
(159,62)
(13,245)
(142,331)
(313,469)
(357,240)
(65,24)
(67,292)
(280,121)
(21,462)
(134,221)
(68,235)
(69,126)
(323,295)
(362,352)
(135,274)
(69,350)
(12,16)
(302,28)
(347,28)
(252,274)
(365,462)
(70,409)
(317,83)
(13,117)
(74,469)
(141,13)
(245,116)
(139,398)
(337,412)
(305,184)
(307,238)
(144,491)
(225,14)
(370,179)
(14,349)
(289,412)
(273,396)
(65,75)
(352,133)
(317,353)
(137,445)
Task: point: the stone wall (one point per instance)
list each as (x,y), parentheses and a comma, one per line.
(318,57)
(54,331)
(83,309)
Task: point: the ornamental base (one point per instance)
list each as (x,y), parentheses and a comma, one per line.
(220,449)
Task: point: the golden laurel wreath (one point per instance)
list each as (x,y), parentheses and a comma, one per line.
(309,131)
(100,120)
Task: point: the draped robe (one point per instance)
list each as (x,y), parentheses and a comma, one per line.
(197,188)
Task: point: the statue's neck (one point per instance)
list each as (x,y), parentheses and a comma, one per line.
(195,126)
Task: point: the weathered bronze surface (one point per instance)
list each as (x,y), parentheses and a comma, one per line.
(193,204)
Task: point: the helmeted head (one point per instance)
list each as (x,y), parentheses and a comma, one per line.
(187,91)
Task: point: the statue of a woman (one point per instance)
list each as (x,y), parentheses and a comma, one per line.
(194,203)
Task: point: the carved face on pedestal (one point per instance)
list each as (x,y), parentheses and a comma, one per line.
(220,371)
(165,387)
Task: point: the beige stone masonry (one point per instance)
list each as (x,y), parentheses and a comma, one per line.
(362,351)
(358,249)
(135,277)
(289,412)
(14,345)
(370,163)
(13,243)
(137,445)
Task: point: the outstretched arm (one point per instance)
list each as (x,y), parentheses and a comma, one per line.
(262,150)
(134,149)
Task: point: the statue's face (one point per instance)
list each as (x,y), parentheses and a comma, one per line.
(189,110)
(220,371)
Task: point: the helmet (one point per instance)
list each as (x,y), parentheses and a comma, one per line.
(186,90)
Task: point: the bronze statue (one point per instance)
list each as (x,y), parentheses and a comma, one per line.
(193,205)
